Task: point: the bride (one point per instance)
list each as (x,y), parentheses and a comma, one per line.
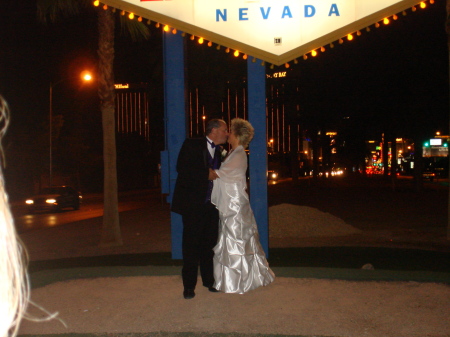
(240,264)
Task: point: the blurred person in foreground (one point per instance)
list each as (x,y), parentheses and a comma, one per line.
(14,287)
(14,283)
(240,263)
(192,199)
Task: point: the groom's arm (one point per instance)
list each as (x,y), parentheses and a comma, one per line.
(190,163)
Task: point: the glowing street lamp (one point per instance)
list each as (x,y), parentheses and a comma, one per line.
(85,76)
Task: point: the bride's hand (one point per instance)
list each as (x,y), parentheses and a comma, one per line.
(212,175)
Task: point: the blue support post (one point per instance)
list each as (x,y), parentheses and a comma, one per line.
(256,75)
(175,124)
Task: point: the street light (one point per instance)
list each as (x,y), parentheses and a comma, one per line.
(85,76)
(204,119)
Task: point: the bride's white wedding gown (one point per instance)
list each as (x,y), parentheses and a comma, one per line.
(240,264)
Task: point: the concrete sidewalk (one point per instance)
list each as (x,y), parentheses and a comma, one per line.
(153,306)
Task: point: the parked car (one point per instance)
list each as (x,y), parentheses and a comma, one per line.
(54,199)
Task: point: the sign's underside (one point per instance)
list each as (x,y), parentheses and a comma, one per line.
(271,30)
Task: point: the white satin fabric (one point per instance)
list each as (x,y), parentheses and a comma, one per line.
(240,264)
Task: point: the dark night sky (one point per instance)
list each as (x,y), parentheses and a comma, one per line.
(393,73)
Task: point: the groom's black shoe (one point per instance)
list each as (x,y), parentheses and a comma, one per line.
(212,289)
(188,293)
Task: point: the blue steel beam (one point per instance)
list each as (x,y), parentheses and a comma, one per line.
(175,124)
(256,75)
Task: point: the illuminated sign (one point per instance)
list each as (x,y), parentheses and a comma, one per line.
(436,141)
(121,86)
(278,74)
(276,31)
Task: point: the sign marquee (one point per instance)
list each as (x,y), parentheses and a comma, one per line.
(276,31)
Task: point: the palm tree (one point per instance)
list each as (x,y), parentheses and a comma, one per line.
(111,226)
(52,10)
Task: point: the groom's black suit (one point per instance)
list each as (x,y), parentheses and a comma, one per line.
(200,217)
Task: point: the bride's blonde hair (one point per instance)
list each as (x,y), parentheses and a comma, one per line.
(14,283)
(14,286)
(243,130)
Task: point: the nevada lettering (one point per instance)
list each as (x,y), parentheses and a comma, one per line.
(266,13)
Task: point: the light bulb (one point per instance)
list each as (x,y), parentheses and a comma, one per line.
(386,21)
(236,53)
(200,40)
(96,3)
(131,16)
(349,37)
(166,28)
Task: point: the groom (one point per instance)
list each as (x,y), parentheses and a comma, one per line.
(192,199)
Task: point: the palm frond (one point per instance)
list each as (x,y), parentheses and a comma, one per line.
(136,30)
(56,10)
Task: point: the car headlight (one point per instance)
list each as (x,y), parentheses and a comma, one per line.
(29,201)
(50,201)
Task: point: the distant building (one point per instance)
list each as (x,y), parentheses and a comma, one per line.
(436,147)
(132,109)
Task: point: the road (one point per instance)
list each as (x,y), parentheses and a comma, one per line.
(91,207)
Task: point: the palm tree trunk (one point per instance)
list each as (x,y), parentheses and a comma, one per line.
(111,235)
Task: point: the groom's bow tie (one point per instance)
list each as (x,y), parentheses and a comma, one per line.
(211,143)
